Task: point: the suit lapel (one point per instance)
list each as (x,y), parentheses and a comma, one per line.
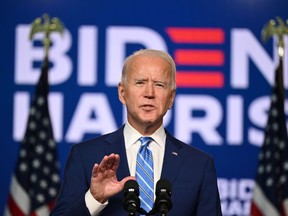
(116,145)
(173,158)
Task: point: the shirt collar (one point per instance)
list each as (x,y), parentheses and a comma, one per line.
(131,136)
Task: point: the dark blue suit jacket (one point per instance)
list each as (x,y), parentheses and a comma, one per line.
(190,171)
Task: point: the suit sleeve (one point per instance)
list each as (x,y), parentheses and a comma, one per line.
(209,200)
(71,197)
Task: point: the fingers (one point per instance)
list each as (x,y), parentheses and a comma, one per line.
(110,162)
(95,170)
(115,163)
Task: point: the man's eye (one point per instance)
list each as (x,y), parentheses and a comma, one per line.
(160,85)
(139,83)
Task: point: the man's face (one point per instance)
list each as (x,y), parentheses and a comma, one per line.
(147,93)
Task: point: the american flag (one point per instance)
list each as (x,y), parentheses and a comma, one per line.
(36,179)
(270,197)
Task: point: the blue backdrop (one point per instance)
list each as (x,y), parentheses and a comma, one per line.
(223,112)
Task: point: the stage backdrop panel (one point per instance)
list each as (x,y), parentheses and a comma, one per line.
(224,75)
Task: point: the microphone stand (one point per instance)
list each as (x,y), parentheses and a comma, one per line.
(164,213)
(141,211)
(132,211)
(153,212)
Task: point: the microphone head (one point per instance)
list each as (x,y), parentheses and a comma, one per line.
(131,186)
(163,193)
(163,185)
(131,202)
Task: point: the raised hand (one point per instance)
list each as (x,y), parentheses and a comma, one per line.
(104,182)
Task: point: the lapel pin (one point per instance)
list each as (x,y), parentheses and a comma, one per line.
(175,153)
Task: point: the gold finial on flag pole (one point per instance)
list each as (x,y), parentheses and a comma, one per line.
(280,30)
(46,25)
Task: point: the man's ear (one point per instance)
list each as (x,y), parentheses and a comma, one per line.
(172,98)
(121,94)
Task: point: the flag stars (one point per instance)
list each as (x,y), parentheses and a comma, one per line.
(34,171)
(51,143)
(49,157)
(282,145)
(40,101)
(42,135)
(46,122)
(268,154)
(268,168)
(39,149)
(33,177)
(52,192)
(269,182)
(36,163)
(43,184)
(285,165)
(260,169)
(23,153)
(273,179)
(274,98)
(23,167)
(260,157)
(46,170)
(32,110)
(40,198)
(274,112)
(275,127)
(55,178)
(32,125)
(283,179)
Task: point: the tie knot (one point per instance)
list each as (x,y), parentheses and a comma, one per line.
(145,140)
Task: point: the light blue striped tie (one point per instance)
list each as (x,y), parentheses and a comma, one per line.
(145,174)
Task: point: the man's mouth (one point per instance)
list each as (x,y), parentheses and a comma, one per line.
(147,107)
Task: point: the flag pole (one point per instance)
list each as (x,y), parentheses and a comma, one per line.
(272,29)
(270,195)
(280,30)
(47,26)
(36,179)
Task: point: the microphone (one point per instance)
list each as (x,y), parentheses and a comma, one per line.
(163,193)
(131,201)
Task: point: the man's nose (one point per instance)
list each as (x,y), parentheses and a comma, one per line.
(150,89)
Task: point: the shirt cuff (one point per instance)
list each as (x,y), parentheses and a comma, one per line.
(93,205)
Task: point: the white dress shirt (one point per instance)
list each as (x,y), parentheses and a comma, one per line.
(132,145)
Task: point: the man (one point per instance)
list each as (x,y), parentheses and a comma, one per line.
(97,169)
